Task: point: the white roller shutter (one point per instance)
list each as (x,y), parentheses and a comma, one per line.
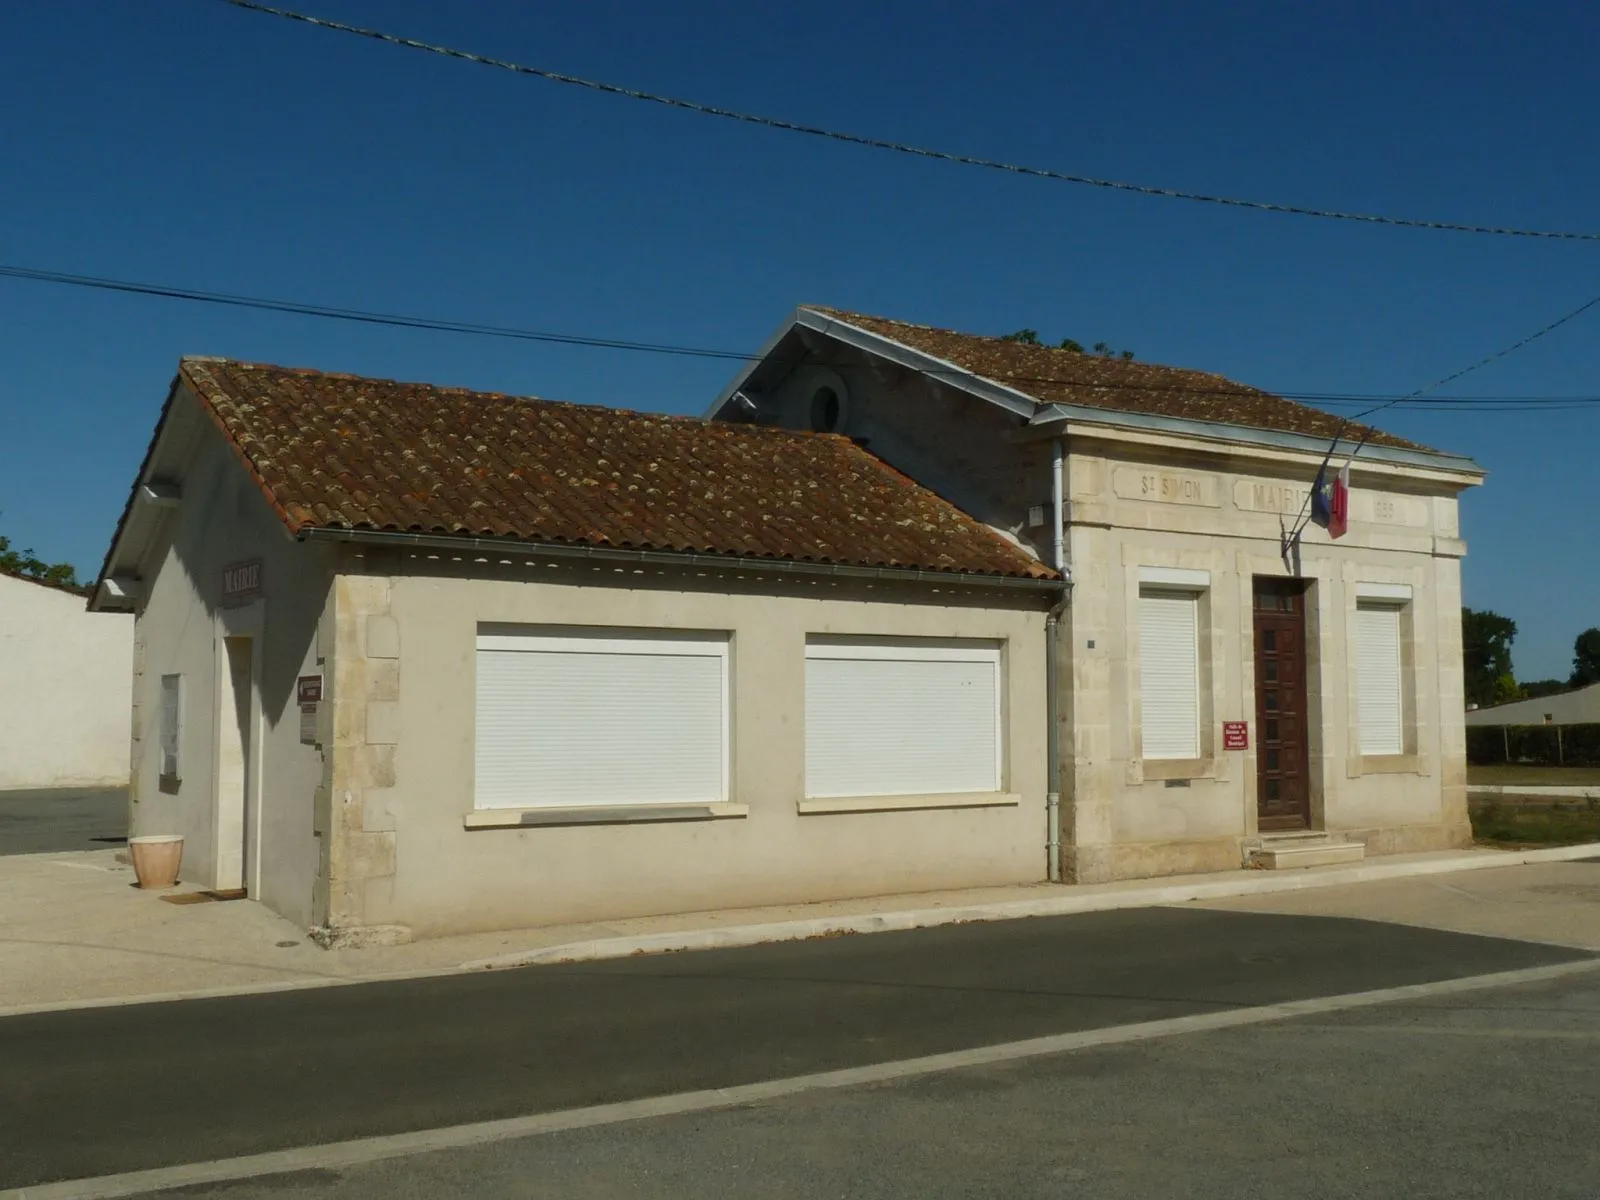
(886,718)
(1378,694)
(1169,673)
(575,719)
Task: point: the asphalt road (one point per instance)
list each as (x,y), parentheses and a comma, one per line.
(102,1091)
(47,822)
(1490,1095)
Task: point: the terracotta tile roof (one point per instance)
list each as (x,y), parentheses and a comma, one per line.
(344,452)
(1050,376)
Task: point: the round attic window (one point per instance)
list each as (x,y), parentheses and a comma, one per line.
(826,410)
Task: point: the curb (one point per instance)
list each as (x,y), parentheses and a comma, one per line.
(734,936)
(1561,791)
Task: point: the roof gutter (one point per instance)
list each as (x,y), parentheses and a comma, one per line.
(1053,416)
(461,543)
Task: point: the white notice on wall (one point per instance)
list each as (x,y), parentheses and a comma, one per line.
(308,724)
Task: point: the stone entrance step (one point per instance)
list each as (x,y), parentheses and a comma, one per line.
(1283,851)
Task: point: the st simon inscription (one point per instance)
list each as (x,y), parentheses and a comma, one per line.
(1165,487)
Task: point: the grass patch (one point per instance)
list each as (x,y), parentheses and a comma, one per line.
(1515,775)
(1526,827)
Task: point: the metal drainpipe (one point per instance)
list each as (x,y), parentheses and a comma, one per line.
(1052,637)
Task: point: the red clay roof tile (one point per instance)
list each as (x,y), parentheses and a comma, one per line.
(1050,376)
(345,452)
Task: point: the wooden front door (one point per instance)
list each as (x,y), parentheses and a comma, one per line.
(1283,770)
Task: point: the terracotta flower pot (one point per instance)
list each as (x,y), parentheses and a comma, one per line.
(156,859)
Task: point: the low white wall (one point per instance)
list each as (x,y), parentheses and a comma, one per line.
(65,682)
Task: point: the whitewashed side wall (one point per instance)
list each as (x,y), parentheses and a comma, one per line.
(64,690)
(182,626)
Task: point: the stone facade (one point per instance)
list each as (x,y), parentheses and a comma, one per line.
(354,802)
(1197,497)
(1137,502)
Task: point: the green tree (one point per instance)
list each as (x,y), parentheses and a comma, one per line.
(1506,690)
(1030,337)
(28,565)
(1486,639)
(1536,688)
(1586,659)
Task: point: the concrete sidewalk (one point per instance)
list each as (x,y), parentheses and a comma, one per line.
(74,931)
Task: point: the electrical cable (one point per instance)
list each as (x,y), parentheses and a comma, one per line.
(1302,519)
(875,143)
(404,321)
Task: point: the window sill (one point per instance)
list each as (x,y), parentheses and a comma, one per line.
(1388,764)
(1152,769)
(599,814)
(851,804)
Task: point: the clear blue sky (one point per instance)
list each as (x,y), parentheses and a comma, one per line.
(186,142)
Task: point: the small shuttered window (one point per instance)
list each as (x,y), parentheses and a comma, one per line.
(579,718)
(1169,672)
(171,724)
(887,717)
(1379,695)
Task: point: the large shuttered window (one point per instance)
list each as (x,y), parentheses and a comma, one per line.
(572,718)
(1380,702)
(1169,672)
(892,717)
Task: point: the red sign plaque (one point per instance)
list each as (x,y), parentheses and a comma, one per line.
(1236,735)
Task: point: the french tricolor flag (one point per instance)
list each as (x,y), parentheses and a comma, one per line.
(1330,501)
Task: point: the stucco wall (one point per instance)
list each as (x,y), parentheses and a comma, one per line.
(182,623)
(403,772)
(1132,507)
(64,690)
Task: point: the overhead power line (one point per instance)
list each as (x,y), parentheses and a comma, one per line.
(1480,364)
(478,329)
(1303,518)
(874,143)
(360,316)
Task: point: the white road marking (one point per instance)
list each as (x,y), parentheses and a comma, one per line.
(1564,1035)
(368,1150)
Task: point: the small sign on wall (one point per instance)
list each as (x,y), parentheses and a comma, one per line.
(308,691)
(241,582)
(1236,735)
